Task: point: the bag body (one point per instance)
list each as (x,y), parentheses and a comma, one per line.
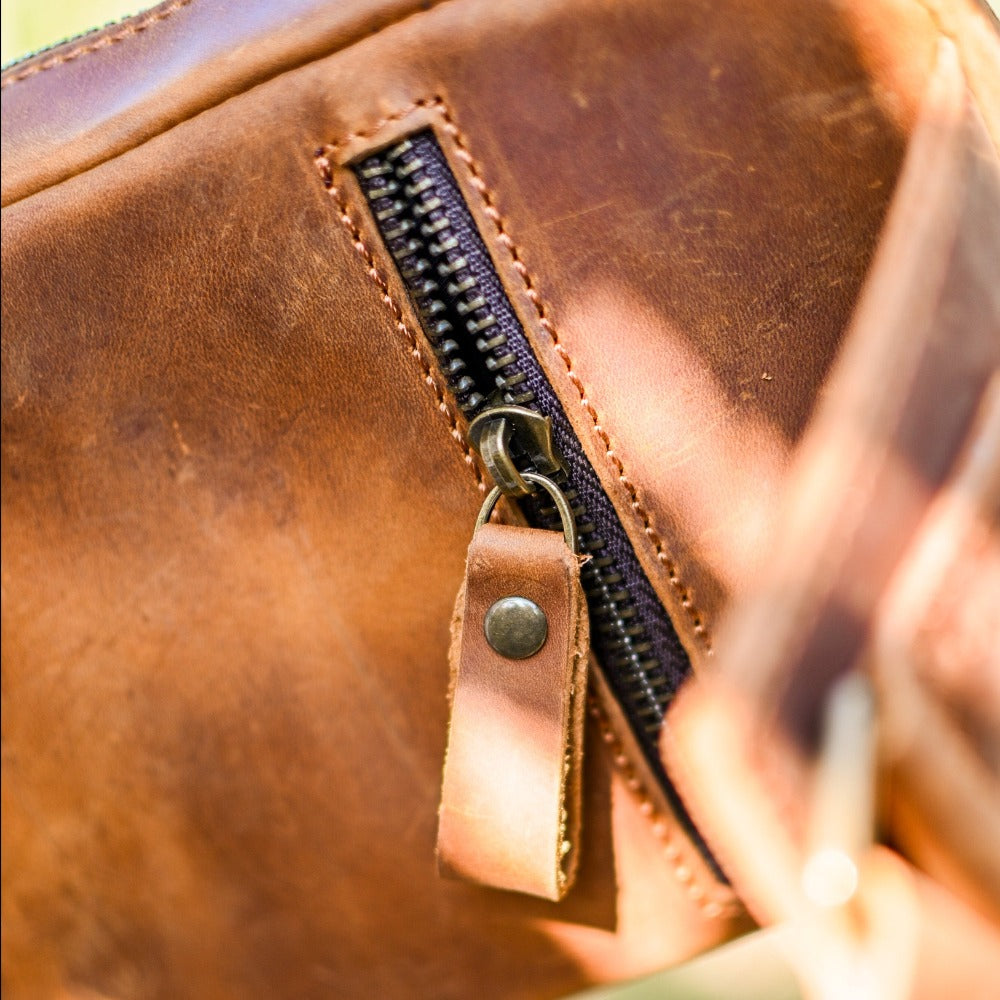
(239,485)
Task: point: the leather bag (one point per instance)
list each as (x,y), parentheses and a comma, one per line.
(279,719)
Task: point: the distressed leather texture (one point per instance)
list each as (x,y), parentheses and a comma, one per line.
(236,499)
(510,797)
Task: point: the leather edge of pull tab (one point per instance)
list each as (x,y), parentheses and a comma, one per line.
(512,782)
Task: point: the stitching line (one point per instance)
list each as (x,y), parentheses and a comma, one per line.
(101,43)
(712,909)
(489,207)
(675,752)
(325,168)
(332,147)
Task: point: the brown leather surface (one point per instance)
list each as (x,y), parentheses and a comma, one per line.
(235,514)
(236,503)
(510,794)
(738,205)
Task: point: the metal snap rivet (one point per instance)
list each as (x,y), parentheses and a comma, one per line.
(516,627)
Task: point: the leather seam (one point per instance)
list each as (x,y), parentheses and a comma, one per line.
(710,908)
(489,207)
(572,821)
(677,760)
(334,145)
(410,337)
(426,7)
(130,30)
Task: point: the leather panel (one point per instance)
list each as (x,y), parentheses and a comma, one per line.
(235,513)
(90,99)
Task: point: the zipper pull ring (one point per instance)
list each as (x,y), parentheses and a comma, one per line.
(558,498)
(511,789)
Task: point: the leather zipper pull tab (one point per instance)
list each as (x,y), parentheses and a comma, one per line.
(510,798)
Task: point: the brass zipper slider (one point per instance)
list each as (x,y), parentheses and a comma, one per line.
(510,797)
(502,434)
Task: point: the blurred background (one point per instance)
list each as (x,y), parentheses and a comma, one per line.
(29,25)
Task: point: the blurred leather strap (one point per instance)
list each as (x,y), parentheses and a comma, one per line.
(886,559)
(936,660)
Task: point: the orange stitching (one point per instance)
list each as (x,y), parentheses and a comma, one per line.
(489,207)
(326,173)
(711,908)
(366,133)
(101,43)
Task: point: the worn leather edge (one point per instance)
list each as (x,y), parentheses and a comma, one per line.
(88,42)
(476,832)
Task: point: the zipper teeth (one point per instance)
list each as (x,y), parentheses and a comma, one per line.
(420,236)
(455,315)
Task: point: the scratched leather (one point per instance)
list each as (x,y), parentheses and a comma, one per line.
(235,509)
(235,523)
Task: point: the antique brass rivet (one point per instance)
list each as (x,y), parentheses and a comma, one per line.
(516,627)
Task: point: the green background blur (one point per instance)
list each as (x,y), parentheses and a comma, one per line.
(28,25)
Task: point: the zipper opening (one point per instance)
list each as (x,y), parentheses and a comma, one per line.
(486,360)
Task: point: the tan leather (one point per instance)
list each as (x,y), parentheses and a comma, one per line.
(510,797)
(176,61)
(232,480)
(236,501)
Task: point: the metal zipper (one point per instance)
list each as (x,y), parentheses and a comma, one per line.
(488,363)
